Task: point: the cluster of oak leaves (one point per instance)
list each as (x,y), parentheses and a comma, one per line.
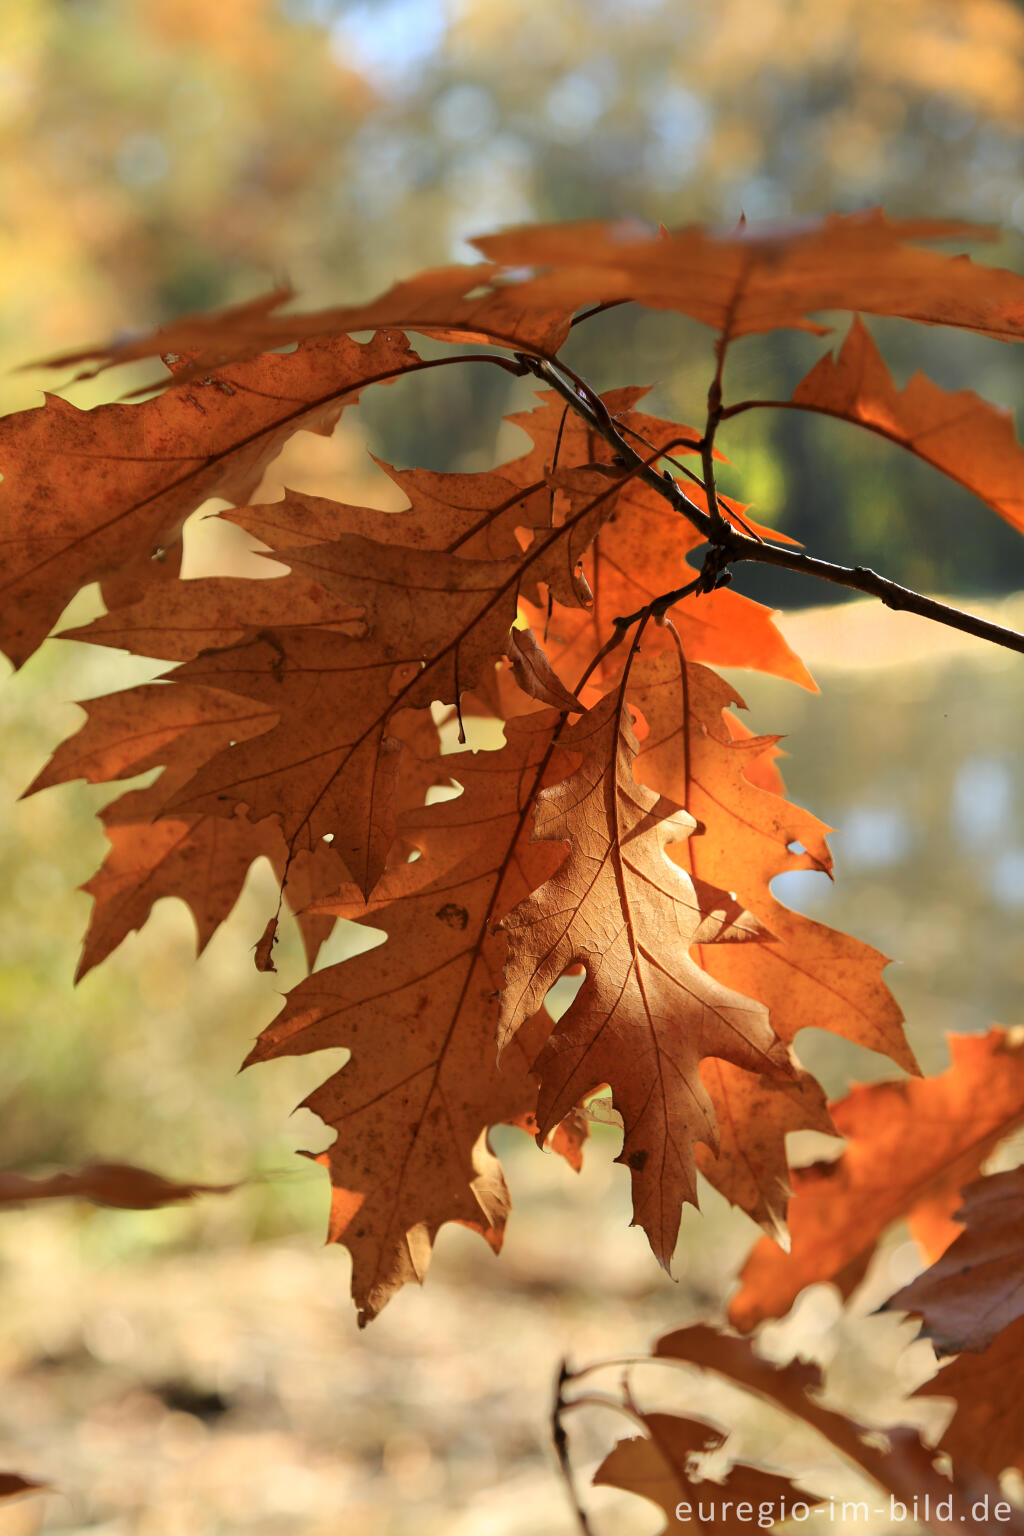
(628,829)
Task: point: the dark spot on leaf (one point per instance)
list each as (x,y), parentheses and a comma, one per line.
(455,917)
(637,1160)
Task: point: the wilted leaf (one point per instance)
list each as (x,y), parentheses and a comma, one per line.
(905,1468)
(419,1013)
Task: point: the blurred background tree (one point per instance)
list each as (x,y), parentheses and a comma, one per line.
(167,155)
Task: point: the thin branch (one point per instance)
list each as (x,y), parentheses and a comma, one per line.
(606,1400)
(560,1441)
(731,547)
(676,442)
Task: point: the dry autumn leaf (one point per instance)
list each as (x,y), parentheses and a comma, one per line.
(114,1184)
(959,433)
(987,1428)
(100,495)
(975,1289)
(661,1468)
(413,1106)
(906,1468)
(753,280)
(646,1015)
(910,1143)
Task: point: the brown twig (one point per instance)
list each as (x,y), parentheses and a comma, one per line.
(560,1441)
(731,547)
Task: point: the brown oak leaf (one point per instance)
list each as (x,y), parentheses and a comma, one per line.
(755,279)
(91,495)
(419,1013)
(646,1014)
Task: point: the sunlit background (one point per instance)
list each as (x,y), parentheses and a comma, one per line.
(198,1370)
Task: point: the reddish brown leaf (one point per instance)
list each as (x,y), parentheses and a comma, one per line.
(699,755)
(84,492)
(754,1117)
(904,1139)
(535,675)
(987,1429)
(474,515)
(641,552)
(810,975)
(905,1468)
(419,1013)
(975,1290)
(201,859)
(177,621)
(439,622)
(326,767)
(462,304)
(148,726)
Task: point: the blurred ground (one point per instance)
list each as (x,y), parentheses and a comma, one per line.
(198,1370)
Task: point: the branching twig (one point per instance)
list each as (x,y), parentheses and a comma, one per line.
(730,546)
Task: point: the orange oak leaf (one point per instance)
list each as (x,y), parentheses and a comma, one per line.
(906,1467)
(115,1184)
(975,1289)
(696,752)
(458,303)
(906,1140)
(474,515)
(535,675)
(438,623)
(661,1467)
(646,1014)
(964,436)
(810,975)
(328,766)
(761,279)
(82,490)
(754,1115)
(203,860)
(419,1013)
